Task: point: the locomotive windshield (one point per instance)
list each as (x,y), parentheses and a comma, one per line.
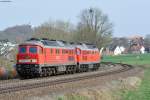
(33,49)
(22,50)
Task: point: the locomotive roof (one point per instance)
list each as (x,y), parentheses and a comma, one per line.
(84,46)
(32,43)
(60,43)
(49,43)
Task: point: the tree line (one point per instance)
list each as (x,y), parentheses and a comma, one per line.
(93,27)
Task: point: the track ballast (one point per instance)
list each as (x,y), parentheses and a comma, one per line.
(55,80)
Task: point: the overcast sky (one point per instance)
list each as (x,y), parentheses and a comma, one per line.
(128,16)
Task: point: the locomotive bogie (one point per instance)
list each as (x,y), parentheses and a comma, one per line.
(30,70)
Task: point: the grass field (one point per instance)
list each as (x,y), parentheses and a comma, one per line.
(134,59)
(143,92)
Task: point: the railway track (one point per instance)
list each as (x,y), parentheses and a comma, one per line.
(50,81)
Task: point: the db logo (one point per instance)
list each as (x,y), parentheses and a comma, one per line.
(27,57)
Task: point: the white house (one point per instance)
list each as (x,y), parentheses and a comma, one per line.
(6,47)
(119,50)
(142,50)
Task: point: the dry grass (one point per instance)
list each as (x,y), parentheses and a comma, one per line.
(108,92)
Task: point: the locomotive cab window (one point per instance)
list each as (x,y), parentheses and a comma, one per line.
(33,50)
(22,50)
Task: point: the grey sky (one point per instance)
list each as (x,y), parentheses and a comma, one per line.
(129,16)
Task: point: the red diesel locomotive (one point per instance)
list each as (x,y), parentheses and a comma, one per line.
(43,57)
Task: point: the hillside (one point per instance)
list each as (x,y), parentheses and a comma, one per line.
(17,33)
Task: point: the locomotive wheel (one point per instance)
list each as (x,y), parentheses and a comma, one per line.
(53,71)
(70,69)
(67,70)
(73,69)
(49,71)
(44,72)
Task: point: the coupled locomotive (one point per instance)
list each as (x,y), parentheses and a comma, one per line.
(44,57)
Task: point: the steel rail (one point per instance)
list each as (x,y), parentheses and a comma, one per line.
(125,67)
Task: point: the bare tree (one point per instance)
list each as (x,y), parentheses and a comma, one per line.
(94,27)
(59,30)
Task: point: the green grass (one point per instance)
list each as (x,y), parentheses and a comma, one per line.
(72,97)
(134,59)
(143,92)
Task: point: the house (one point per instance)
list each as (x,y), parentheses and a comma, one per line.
(142,50)
(133,44)
(6,46)
(119,50)
(136,44)
(114,50)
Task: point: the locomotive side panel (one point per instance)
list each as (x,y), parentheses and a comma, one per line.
(88,56)
(59,56)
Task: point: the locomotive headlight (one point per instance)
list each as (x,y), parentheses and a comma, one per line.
(28,60)
(24,60)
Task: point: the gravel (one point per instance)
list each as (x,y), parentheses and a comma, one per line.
(66,87)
